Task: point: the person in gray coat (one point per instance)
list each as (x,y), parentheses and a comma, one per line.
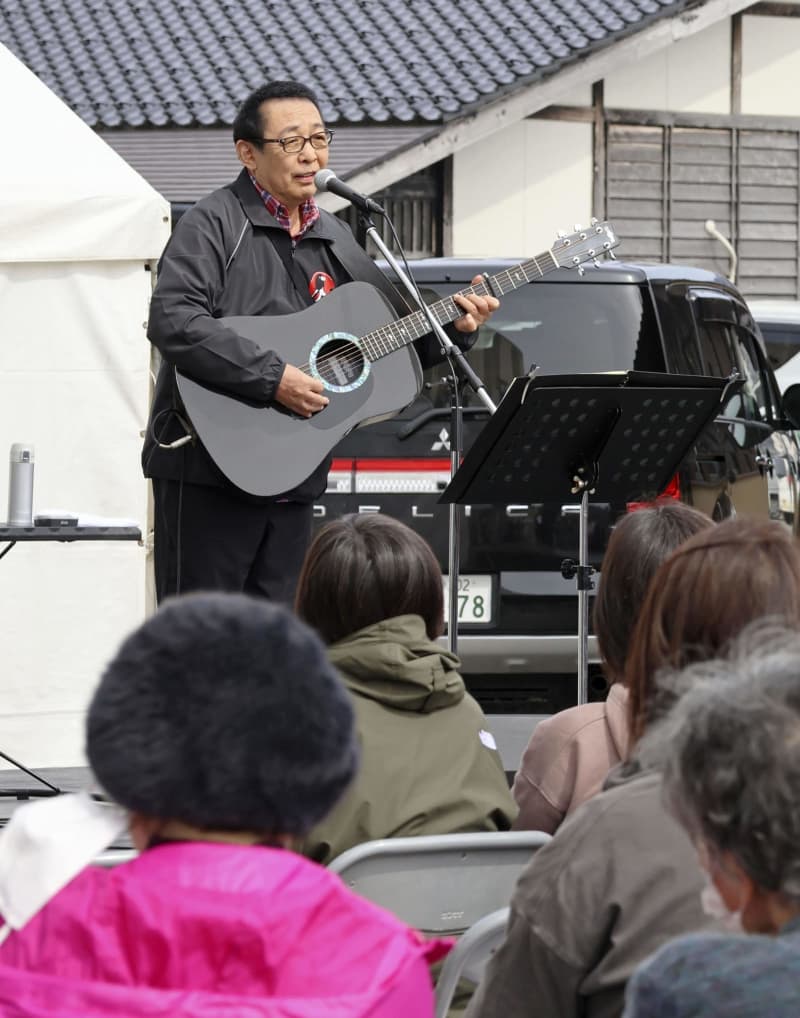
(732,778)
(621,876)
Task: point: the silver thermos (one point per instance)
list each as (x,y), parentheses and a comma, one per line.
(20,486)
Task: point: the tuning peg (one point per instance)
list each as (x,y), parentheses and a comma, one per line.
(612,256)
(561,234)
(577,228)
(581,270)
(593,221)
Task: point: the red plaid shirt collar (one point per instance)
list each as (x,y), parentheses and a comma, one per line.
(309,211)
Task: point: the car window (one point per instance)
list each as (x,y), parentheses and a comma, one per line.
(563,328)
(782,341)
(726,347)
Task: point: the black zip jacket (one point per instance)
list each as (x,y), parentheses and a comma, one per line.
(221,261)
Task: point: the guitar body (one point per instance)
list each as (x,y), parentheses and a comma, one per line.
(267,451)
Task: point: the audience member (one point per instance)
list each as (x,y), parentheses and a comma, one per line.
(732,778)
(620,877)
(224,731)
(373,589)
(569,755)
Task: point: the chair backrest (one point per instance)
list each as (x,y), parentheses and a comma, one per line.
(440,883)
(115,856)
(468,958)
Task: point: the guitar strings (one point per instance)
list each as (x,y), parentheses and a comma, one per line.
(357,354)
(508,275)
(351,359)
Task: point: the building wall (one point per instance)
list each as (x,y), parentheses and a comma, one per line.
(770,66)
(691,76)
(512,193)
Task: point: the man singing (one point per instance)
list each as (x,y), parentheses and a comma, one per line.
(259,246)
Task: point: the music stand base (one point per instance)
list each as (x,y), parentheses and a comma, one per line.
(583,573)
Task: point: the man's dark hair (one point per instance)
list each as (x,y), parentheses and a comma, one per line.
(249,123)
(361,570)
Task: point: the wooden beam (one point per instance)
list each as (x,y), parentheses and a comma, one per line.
(573,114)
(797,284)
(768,9)
(598,152)
(736,64)
(664,118)
(447,207)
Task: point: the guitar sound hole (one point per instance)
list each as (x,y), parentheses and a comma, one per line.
(340,364)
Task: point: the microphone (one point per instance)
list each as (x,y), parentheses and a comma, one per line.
(326,180)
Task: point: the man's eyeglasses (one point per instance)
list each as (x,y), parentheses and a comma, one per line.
(296,143)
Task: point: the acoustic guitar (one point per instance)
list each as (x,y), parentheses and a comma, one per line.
(364,360)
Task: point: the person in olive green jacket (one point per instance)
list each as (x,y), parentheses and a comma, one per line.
(429,765)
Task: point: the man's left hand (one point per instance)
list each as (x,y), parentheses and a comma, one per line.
(476,309)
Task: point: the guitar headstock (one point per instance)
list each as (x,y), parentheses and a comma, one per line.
(584,245)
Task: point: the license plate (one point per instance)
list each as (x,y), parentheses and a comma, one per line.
(474,598)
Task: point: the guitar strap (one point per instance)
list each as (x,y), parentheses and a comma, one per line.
(282,243)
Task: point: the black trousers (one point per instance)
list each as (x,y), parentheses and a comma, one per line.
(207,538)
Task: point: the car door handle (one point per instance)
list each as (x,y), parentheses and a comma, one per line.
(765,463)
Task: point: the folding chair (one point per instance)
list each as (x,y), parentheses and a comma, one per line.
(114,856)
(468,958)
(440,884)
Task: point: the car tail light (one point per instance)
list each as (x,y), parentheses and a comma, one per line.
(386,476)
(671,490)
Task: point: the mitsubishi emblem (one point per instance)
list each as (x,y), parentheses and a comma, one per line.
(442,442)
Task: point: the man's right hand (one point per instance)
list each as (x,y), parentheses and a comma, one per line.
(300,393)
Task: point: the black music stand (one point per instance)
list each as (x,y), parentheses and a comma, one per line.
(619,437)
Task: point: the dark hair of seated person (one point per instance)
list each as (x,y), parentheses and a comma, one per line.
(362,569)
(701,599)
(640,542)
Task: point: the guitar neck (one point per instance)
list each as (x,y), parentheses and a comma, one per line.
(396,335)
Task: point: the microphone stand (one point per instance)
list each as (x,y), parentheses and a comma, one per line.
(463,375)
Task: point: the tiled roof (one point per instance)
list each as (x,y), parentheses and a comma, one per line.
(183,164)
(188,63)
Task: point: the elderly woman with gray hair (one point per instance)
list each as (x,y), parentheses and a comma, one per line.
(732,779)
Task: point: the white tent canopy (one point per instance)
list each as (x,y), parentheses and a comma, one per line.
(66,195)
(79,233)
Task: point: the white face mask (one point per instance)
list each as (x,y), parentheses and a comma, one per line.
(714,906)
(44,845)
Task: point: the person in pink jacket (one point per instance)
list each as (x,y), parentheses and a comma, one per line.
(570,754)
(226,735)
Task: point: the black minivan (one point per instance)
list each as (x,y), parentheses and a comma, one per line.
(518,615)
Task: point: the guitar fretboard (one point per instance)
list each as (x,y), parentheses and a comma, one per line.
(396,335)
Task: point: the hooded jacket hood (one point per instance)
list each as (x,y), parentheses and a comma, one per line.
(395,663)
(429,764)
